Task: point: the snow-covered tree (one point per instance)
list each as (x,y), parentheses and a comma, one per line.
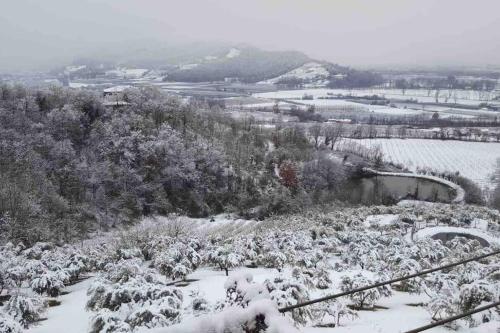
(25,309)
(225,258)
(367,298)
(286,292)
(330,313)
(49,283)
(106,321)
(275,259)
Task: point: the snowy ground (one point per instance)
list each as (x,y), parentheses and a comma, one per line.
(467,97)
(70,316)
(474,160)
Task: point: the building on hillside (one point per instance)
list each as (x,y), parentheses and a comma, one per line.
(115,96)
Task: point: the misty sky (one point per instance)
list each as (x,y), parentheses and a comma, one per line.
(351,32)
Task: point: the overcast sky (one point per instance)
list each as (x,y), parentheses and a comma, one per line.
(350,32)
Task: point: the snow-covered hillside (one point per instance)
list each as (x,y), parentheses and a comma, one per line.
(177,274)
(233,53)
(127,73)
(311,73)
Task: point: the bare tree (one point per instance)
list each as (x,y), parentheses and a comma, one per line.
(333,133)
(315,132)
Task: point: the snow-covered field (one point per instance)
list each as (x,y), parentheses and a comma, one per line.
(468,97)
(474,160)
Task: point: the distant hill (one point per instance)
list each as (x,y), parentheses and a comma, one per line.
(247,64)
(206,62)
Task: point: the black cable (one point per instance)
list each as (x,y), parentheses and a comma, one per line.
(447,320)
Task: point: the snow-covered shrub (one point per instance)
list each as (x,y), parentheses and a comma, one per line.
(241,290)
(129,253)
(473,294)
(76,264)
(36,251)
(49,283)
(405,267)
(260,316)
(275,259)
(9,324)
(140,300)
(360,252)
(177,255)
(251,248)
(155,313)
(367,298)
(286,292)
(123,270)
(331,312)
(469,297)
(225,258)
(303,276)
(199,305)
(106,321)
(25,309)
(17,274)
(106,294)
(310,259)
(321,277)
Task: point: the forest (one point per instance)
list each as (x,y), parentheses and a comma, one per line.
(70,166)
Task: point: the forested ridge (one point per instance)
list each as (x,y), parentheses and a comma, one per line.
(69,166)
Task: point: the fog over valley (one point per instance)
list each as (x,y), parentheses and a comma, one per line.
(39,34)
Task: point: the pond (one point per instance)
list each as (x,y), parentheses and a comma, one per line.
(388,189)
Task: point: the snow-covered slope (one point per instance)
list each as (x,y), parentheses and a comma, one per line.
(233,53)
(311,72)
(129,73)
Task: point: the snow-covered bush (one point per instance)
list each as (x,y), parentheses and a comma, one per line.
(224,258)
(106,294)
(260,316)
(275,259)
(405,267)
(76,264)
(155,313)
(9,324)
(330,313)
(25,309)
(128,253)
(286,292)
(303,277)
(17,274)
(123,270)
(49,283)
(178,260)
(468,297)
(367,298)
(199,305)
(241,290)
(106,321)
(321,276)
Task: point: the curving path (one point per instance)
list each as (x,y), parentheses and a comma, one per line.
(433,231)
